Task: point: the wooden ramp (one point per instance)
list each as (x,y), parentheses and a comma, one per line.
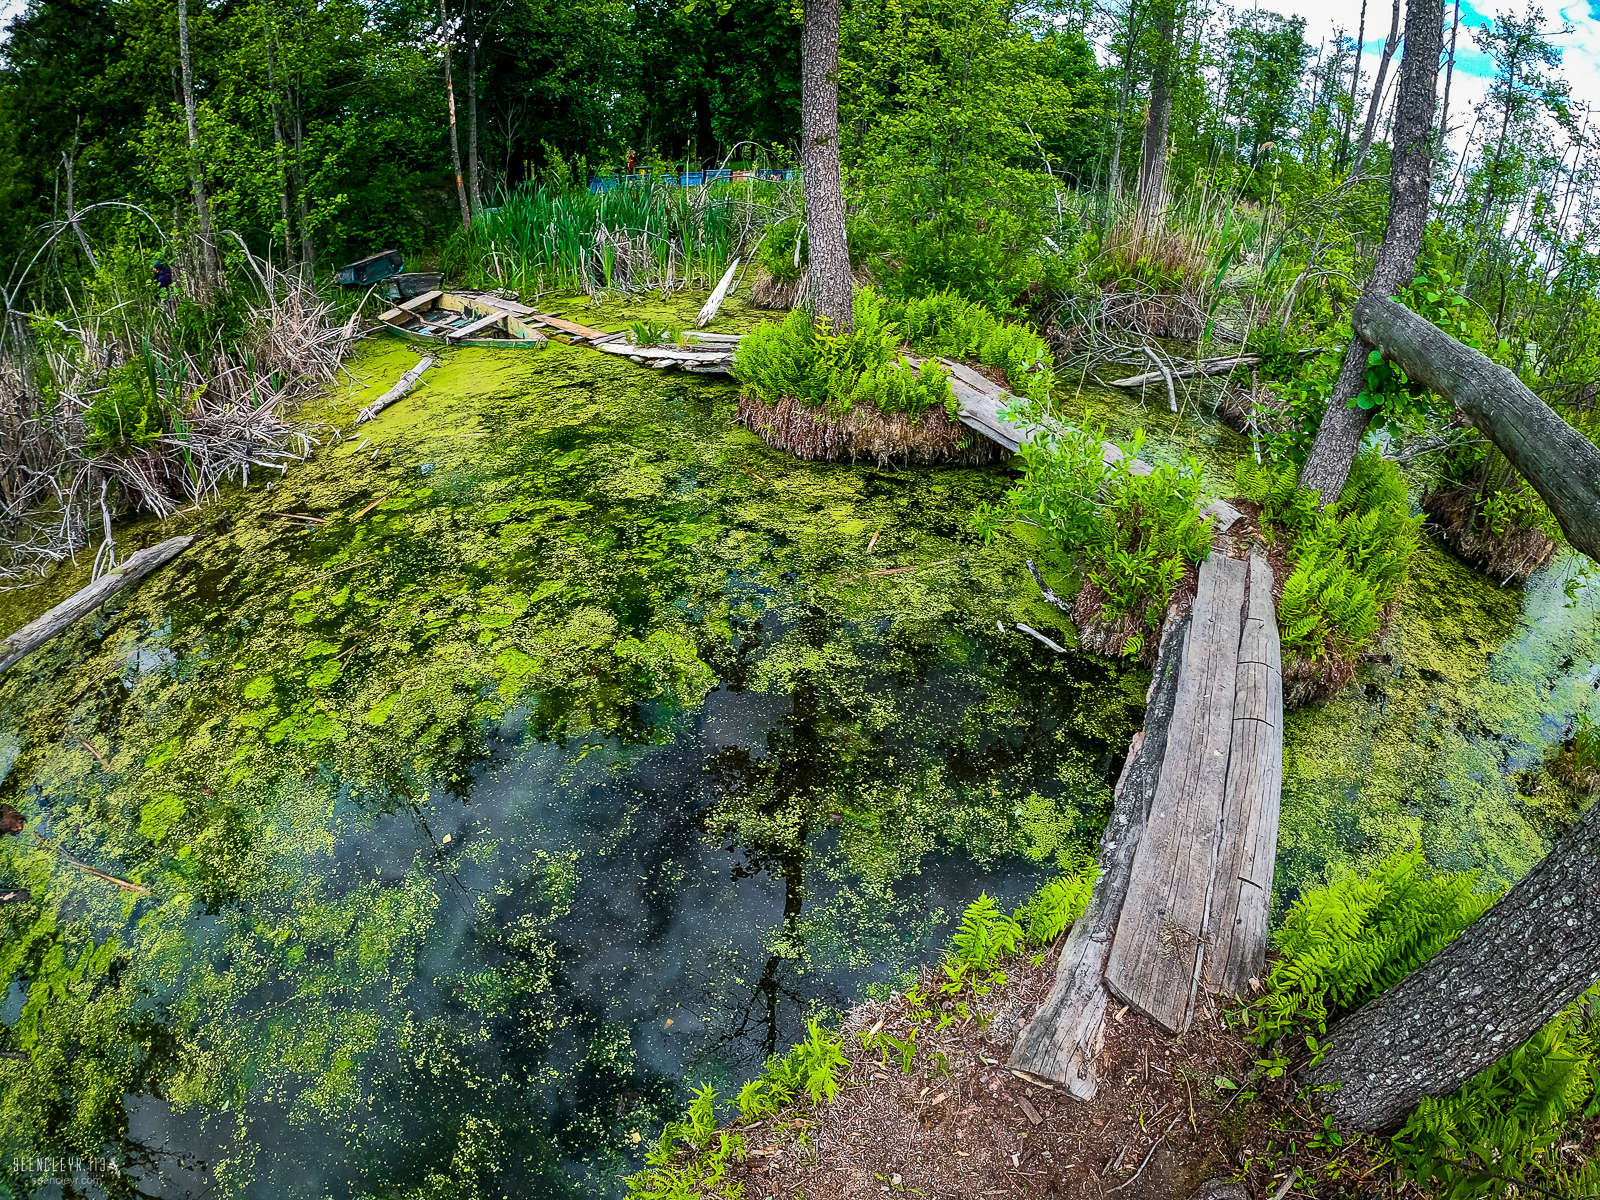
(1186,860)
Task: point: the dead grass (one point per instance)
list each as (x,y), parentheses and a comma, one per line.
(866,433)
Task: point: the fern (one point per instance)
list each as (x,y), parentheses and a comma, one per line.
(1055,906)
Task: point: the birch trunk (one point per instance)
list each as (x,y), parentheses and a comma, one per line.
(832,287)
(202,208)
(1343,425)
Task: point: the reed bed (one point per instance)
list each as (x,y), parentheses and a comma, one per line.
(136,408)
(651,237)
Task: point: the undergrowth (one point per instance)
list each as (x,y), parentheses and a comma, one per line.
(1132,536)
(1347,562)
(794,359)
(1343,945)
(690,1159)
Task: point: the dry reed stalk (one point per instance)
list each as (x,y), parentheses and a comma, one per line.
(866,433)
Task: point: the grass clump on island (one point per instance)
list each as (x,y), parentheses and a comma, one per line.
(821,395)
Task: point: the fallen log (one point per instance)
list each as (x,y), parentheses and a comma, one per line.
(1560,463)
(397,392)
(1205,366)
(64,615)
(715,302)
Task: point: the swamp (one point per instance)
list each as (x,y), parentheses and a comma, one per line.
(679,751)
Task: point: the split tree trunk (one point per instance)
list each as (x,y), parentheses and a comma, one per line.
(202,208)
(455,143)
(1343,425)
(1376,102)
(1158,118)
(1560,463)
(832,287)
(1483,995)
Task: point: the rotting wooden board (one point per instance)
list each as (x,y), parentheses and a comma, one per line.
(671,354)
(409,307)
(572,327)
(1157,953)
(1242,892)
(476,326)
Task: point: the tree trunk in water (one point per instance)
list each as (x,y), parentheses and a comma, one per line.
(832,287)
(1383,72)
(202,209)
(1153,155)
(455,143)
(474,188)
(1343,426)
(1560,463)
(1484,994)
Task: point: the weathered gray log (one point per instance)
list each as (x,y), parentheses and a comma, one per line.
(714,302)
(1484,994)
(1560,463)
(1059,1043)
(677,356)
(398,391)
(60,618)
(1158,951)
(1241,893)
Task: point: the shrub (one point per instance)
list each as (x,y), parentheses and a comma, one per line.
(1347,561)
(1132,536)
(126,416)
(944,324)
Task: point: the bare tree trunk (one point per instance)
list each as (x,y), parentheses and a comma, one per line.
(455,144)
(70,162)
(1355,81)
(1480,997)
(1343,425)
(832,287)
(474,188)
(202,208)
(1377,87)
(278,145)
(1449,74)
(1158,119)
(308,253)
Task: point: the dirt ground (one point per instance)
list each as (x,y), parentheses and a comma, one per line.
(961,1124)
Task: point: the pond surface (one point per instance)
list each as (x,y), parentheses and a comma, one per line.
(577,752)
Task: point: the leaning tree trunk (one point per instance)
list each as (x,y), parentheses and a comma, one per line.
(832,287)
(474,184)
(1158,118)
(1560,463)
(455,143)
(1343,425)
(202,208)
(1484,994)
(1383,71)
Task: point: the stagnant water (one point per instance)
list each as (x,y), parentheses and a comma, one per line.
(588,764)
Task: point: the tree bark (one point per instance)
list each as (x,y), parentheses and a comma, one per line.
(202,207)
(1343,425)
(1484,994)
(1158,118)
(832,287)
(1383,72)
(308,251)
(1560,463)
(455,143)
(278,143)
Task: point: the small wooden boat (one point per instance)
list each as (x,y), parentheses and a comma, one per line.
(454,319)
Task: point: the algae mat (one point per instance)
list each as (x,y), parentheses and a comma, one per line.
(573,753)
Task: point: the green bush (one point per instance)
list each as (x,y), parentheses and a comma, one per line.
(1348,561)
(1132,536)
(794,359)
(126,416)
(945,325)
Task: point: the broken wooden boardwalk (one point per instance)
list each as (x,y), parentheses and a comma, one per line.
(1186,860)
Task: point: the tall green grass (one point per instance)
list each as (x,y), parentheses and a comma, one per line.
(653,236)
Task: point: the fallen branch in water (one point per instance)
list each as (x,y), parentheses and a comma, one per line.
(1044,588)
(1032,632)
(1205,366)
(64,615)
(397,392)
(124,884)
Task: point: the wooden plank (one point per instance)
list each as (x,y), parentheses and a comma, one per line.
(1157,954)
(1242,892)
(468,330)
(421,301)
(1060,1041)
(672,354)
(60,618)
(571,327)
